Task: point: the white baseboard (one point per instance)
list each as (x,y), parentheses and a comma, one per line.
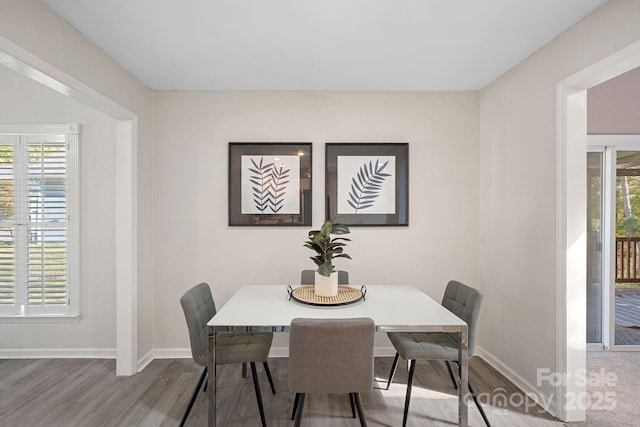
(384,351)
(280,351)
(527,388)
(57,353)
(172,353)
(145,360)
(157,353)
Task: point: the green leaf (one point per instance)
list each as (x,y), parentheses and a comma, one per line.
(325,231)
(339,229)
(325,269)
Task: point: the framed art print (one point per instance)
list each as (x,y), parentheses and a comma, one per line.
(367,184)
(269,184)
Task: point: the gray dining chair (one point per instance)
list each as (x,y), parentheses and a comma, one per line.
(231,347)
(308,277)
(463,301)
(330,356)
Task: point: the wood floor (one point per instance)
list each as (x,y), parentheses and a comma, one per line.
(86,393)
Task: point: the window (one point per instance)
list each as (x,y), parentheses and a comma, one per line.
(38,220)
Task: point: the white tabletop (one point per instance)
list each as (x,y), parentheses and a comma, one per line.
(392,307)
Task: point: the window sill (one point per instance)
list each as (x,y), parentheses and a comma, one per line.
(40,318)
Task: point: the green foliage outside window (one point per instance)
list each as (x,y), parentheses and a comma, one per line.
(628,206)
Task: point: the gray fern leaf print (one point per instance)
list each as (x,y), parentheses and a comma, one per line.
(269,185)
(366,185)
(278,187)
(261,179)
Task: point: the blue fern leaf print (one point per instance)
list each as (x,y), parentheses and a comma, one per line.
(366,185)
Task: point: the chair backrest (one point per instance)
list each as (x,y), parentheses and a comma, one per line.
(198,307)
(464,301)
(331,355)
(308,277)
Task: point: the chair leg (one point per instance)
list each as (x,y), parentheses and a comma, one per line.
(268,371)
(353,408)
(193,397)
(295,406)
(394,366)
(299,411)
(363,419)
(453,379)
(254,374)
(475,399)
(407,399)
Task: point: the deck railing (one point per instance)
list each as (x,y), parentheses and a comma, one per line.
(627,259)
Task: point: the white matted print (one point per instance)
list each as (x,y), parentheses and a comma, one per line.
(270,184)
(366,184)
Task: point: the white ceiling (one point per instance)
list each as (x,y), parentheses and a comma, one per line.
(320,44)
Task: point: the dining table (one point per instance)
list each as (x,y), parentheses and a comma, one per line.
(393,308)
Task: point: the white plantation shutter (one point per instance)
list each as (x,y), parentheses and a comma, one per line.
(38,220)
(8,290)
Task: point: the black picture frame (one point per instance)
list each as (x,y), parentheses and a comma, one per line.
(358,179)
(262,204)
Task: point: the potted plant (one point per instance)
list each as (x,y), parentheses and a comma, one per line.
(327,248)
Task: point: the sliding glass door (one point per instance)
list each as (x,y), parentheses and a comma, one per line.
(613,242)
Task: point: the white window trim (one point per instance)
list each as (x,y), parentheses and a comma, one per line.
(72,132)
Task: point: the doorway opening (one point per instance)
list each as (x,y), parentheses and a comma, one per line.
(25,63)
(571,216)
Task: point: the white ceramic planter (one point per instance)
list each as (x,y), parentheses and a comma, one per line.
(326,286)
